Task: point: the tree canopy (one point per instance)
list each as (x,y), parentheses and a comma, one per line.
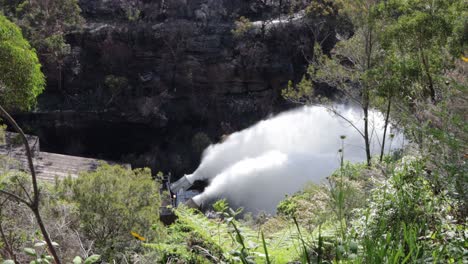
(21,79)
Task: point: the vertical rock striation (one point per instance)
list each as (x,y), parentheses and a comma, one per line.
(160,71)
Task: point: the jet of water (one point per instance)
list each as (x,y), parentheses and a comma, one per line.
(256,167)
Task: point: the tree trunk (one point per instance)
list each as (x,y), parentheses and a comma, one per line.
(428,74)
(365,93)
(387,117)
(366,135)
(34,205)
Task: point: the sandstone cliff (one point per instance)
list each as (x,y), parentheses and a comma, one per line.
(146,76)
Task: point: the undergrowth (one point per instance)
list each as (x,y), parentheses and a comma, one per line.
(389,213)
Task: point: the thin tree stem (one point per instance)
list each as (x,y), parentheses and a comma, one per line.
(8,246)
(387,117)
(34,206)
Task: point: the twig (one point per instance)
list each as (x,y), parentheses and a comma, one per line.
(15,197)
(34,205)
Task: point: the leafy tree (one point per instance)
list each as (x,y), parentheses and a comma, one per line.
(421,42)
(396,58)
(243,25)
(321,19)
(417,32)
(21,79)
(348,67)
(45,24)
(115,201)
(387,81)
(115,85)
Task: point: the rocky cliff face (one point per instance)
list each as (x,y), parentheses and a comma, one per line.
(153,81)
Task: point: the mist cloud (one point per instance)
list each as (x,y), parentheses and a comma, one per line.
(256,167)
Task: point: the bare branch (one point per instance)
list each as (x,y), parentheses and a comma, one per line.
(26,192)
(16,197)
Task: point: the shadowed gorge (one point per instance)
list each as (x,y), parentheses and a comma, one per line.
(175,71)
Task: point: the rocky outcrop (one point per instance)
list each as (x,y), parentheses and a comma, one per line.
(160,71)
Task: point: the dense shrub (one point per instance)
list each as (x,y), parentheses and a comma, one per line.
(406,219)
(18,228)
(114,201)
(21,79)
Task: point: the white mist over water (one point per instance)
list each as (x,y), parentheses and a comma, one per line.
(256,167)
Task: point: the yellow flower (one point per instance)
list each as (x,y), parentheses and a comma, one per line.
(137,236)
(465,59)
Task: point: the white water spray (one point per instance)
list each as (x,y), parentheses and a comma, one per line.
(256,167)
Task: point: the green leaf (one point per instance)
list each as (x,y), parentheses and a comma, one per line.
(8,261)
(239,238)
(92,259)
(30,251)
(40,244)
(353,246)
(265,249)
(77,260)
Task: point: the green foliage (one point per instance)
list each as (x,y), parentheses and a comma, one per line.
(89,260)
(45,24)
(115,84)
(114,201)
(15,181)
(133,13)
(40,255)
(192,232)
(318,204)
(265,249)
(2,134)
(322,8)
(422,43)
(243,26)
(346,69)
(18,227)
(228,215)
(287,207)
(21,79)
(391,213)
(420,35)
(216,240)
(406,221)
(305,258)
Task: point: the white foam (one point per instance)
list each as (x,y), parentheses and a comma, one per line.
(256,167)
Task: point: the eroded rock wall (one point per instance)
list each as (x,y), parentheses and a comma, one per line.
(161,71)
